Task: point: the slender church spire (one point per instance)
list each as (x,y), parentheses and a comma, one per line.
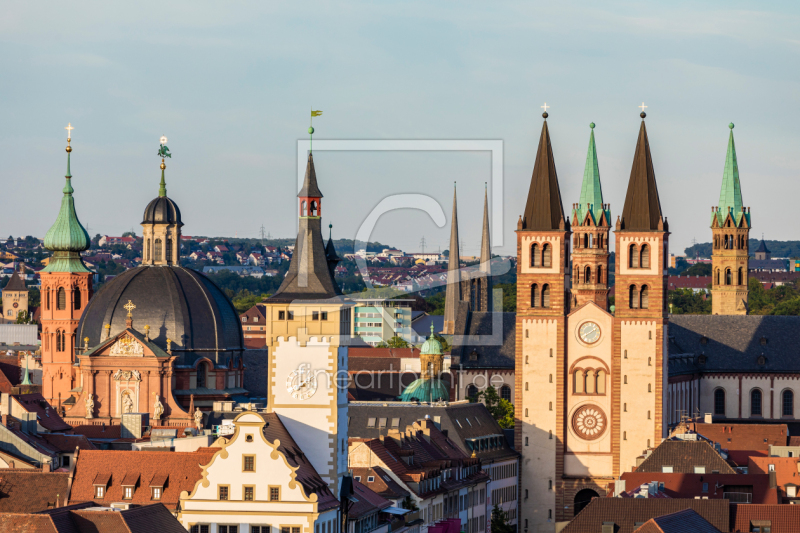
(485,285)
(591,200)
(544,210)
(730,195)
(453,291)
(642,209)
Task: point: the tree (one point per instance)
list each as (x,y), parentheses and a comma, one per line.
(500,521)
(444,342)
(24,317)
(500,409)
(698,269)
(129,234)
(397,342)
(410,504)
(688,302)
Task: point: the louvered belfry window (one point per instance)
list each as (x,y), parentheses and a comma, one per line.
(61,299)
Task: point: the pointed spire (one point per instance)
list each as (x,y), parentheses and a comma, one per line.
(26,378)
(730,196)
(642,210)
(162,189)
(163,152)
(67,237)
(486,259)
(591,190)
(453,289)
(544,210)
(310,188)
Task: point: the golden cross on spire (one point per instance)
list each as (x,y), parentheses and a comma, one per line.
(130,307)
(643,107)
(69,129)
(545,106)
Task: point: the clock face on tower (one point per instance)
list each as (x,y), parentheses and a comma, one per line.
(589,332)
(301,384)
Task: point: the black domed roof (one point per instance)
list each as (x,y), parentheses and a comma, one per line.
(177,303)
(162,210)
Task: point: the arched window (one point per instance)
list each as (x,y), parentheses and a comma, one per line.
(719,402)
(303,209)
(147,250)
(60,340)
(61,300)
(157,251)
(787,402)
(169,250)
(536,260)
(601,382)
(740,277)
(472,391)
(534,295)
(633,297)
(578,383)
(505,392)
(728,280)
(201,375)
(645,262)
(590,382)
(547,252)
(645,301)
(633,259)
(314,208)
(716,277)
(599,278)
(585,240)
(755,402)
(545,295)
(76,298)
(587,275)
(48,298)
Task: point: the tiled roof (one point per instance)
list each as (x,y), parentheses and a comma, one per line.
(686,521)
(28,490)
(683,456)
(689,282)
(733,343)
(383,353)
(9,373)
(46,416)
(101,431)
(368,501)
(182,468)
(787,469)
(625,513)
(26,523)
(691,485)
(68,443)
(744,436)
(782,518)
(479,327)
(382,483)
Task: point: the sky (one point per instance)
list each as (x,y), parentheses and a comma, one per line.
(231,85)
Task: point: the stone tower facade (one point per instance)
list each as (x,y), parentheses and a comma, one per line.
(65,293)
(730,228)
(591,225)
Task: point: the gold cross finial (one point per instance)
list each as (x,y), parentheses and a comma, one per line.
(643,107)
(69,129)
(130,307)
(545,106)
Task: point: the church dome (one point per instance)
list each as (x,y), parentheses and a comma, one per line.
(162,210)
(177,303)
(431,346)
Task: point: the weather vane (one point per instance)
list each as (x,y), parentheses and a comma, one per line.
(163,151)
(311,127)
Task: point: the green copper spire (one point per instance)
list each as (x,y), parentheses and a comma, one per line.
(591,191)
(26,379)
(67,238)
(163,152)
(730,196)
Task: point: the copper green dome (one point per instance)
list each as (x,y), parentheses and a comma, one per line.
(431,346)
(67,237)
(426,390)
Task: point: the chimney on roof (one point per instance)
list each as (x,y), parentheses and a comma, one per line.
(45,467)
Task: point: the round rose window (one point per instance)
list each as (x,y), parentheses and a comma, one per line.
(589,422)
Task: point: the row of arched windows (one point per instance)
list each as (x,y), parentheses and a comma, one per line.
(540,298)
(587,240)
(729,277)
(730,242)
(639,257)
(157,251)
(589,381)
(61,342)
(505,392)
(304,211)
(541,256)
(639,298)
(585,275)
(61,298)
(756,402)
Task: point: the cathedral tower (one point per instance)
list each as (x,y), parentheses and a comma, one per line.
(454,289)
(639,365)
(161,224)
(65,292)
(542,305)
(591,223)
(730,227)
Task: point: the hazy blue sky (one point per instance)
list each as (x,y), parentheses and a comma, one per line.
(231,85)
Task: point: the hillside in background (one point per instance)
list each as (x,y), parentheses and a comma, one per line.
(778,248)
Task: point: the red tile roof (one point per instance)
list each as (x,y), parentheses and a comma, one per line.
(625,513)
(686,521)
(744,436)
(182,470)
(689,282)
(9,373)
(782,518)
(26,523)
(46,416)
(381,482)
(29,490)
(691,485)
(786,469)
(359,351)
(368,501)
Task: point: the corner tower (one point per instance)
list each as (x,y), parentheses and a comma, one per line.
(592,223)
(730,228)
(66,290)
(639,371)
(161,223)
(542,305)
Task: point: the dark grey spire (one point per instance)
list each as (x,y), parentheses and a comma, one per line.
(484,296)
(453,290)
